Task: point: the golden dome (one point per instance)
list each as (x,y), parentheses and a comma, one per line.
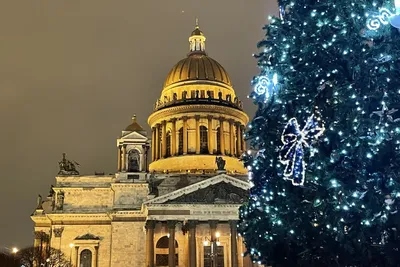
(134,126)
(197,31)
(197,67)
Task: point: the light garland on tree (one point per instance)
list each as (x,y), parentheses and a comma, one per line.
(294,142)
(266,86)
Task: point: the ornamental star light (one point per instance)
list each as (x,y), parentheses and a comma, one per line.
(385,114)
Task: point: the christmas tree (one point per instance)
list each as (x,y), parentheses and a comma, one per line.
(324,160)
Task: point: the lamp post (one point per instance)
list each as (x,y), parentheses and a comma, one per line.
(14,251)
(214,243)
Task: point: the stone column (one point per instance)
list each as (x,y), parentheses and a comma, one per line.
(96,256)
(232,137)
(164,140)
(157,143)
(76,256)
(221,135)
(150,225)
(171,243)
(38,238)
(119,158)
(192,244)
(153,144)
(238,139)
(173,138)
(234,249)
(185,135)
(123,167)
(197,117)
(210,135)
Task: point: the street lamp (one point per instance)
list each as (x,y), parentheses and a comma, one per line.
(214,243)
(14,252)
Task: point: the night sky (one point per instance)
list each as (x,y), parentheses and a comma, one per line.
(72,74)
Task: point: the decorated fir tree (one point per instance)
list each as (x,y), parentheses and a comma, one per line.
(325,141)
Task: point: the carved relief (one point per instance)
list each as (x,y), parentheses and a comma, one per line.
(219,193)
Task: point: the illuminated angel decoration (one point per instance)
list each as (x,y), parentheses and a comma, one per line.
(294,142)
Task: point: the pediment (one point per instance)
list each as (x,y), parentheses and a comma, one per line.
(221,189)
(134,135)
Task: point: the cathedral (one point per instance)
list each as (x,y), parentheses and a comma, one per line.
(174,198)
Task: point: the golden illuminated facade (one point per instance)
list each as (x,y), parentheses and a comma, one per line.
(197,117)
(181,210)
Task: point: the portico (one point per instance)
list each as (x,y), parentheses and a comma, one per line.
(204,228)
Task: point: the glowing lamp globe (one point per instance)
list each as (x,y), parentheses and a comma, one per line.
(395,20)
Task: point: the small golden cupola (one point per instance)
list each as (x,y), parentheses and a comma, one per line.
(198,116)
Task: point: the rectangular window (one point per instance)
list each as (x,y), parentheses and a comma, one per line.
(202,94)
(193,94)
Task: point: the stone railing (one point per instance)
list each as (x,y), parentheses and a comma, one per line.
(236,103)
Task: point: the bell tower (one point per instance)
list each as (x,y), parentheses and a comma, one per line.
(132,152)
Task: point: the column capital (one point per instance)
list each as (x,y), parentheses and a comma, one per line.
(231,121)
(237,123)
(213,224)
(210,117)
(192,224)
(221,119)
(184,118)
(173,120)
(150,224)
(197,117)
(233,223)
(171,224)
(164,122)
(58,231)
(39,234)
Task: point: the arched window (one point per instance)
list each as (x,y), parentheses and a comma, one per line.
(133,161)
(86,258)
(203,140)
(168,144)
(218,141)
(180,142)
(162,252)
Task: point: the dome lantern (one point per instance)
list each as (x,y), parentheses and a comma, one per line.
(197,41)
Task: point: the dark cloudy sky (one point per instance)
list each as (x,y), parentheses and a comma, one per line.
(72,74)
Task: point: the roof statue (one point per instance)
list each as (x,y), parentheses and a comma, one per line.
(220,163)
(39,202)
(67,167)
